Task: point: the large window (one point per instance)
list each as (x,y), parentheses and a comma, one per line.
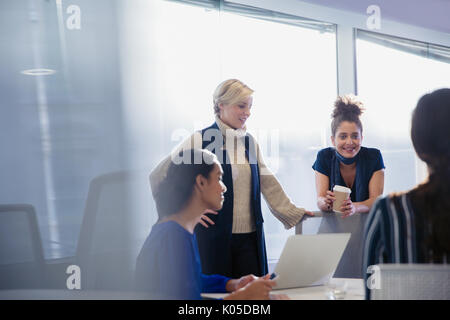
(393,74)
(98,87)
(293,72)
(289,61)
(117,86)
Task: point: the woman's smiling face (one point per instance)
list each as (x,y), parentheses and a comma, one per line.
(348,139)
(237,114)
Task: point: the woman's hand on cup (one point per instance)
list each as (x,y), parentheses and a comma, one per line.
(329,200)
(348,208)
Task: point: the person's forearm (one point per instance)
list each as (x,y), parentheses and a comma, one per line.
(364,206)
(322,204)
(279,203)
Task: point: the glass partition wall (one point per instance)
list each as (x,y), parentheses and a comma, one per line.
(93,88)
(289,61)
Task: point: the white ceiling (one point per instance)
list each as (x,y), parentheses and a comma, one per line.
(431,14)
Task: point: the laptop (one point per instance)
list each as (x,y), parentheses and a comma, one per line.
(309,260)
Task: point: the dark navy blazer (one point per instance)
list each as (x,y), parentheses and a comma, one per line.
(215,242)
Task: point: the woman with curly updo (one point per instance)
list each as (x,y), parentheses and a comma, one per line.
(348,163)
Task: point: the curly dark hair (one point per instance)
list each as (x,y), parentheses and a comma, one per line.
(346,108)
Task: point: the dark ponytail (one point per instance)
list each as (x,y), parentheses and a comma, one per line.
(346,108)
(430,134)
(175,191)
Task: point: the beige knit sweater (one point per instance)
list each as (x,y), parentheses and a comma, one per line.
(243,219)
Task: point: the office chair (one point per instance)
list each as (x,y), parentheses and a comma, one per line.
(116,221)
(21,255)
(350,265)
(413,282)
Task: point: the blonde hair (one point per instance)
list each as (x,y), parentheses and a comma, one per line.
(230,92)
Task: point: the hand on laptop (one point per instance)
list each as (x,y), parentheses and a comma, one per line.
(236,284)
(257,289)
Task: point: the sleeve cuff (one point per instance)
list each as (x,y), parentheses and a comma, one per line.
(291,217)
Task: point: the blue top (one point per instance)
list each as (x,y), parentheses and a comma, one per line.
(368,161)
(169,265)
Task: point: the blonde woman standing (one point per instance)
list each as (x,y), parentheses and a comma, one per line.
(234,244)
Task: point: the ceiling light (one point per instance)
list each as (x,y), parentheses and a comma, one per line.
(38,72)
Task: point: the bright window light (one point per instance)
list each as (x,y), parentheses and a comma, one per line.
(390,82)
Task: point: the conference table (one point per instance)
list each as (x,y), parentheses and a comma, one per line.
(347,283)
(65,294)
(336,289)
(349,289)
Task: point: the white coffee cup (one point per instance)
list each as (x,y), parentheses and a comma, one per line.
(341,193)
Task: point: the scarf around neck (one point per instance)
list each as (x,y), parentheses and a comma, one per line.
(345,160)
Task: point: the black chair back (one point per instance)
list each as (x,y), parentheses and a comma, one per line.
(21,255)
(115,224)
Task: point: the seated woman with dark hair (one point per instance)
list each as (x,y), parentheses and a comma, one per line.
(413,226)
(169,262)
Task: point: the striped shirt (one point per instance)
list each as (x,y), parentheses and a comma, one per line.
(390,233)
